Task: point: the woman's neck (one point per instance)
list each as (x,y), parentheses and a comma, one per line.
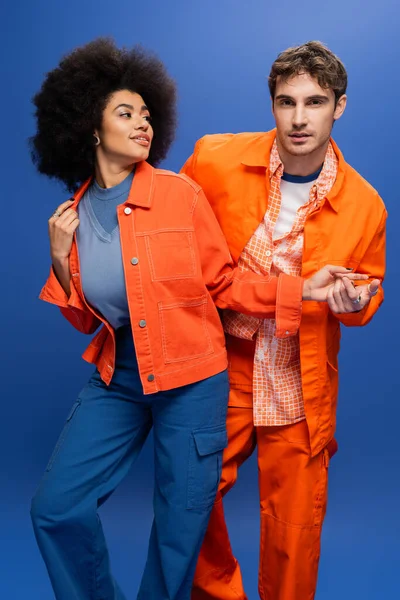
(109,174)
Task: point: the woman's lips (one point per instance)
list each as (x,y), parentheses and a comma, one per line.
(142,141)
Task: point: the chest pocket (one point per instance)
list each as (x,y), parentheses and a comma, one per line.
(171,254)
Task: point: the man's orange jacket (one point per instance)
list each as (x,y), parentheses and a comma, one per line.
(348,229)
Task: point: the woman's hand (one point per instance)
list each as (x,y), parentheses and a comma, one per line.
(317,287)
(62,225)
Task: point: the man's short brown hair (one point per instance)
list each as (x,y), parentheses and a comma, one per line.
(315,59)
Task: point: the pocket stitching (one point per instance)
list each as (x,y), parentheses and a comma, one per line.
(201,301)
(189,237)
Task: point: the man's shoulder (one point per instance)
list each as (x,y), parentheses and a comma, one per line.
(230,145)
(355,181)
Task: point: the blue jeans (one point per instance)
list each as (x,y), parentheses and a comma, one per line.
(102,437)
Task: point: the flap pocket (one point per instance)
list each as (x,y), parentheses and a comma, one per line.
(210,440)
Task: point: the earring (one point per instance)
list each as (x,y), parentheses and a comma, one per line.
(96,137)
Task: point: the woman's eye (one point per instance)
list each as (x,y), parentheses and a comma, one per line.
(148,118)
(126,114)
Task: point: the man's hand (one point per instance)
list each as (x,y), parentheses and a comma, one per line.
(344,297)
(317,287)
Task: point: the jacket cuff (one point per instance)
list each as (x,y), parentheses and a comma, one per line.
(288,305)
(54,293)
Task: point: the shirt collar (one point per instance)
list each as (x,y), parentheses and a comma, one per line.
(326,178)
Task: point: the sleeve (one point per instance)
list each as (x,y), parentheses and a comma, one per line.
(372,263)
(72,308)
(244,292)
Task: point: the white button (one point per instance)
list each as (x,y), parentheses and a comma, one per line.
(127,210)
(287,332)
(268,253)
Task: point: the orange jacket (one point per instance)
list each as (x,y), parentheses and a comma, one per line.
(177,268)
(348,230)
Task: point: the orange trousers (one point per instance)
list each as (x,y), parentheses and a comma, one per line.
(293,495)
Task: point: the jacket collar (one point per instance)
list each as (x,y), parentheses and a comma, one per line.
(258,153)
(141,192)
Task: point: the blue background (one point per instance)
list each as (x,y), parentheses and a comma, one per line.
(220,52)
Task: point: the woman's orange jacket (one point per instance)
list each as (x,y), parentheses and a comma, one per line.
(177,270)
(348,229)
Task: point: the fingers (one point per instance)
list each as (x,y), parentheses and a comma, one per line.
(61,209)
(373,287)
(352,276)
(339,294)
(334,298)
(64,220)
(338,271)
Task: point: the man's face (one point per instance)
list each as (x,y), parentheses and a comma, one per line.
(304,114)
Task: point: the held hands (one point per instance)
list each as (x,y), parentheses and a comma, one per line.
(334,285)
(344,297)
(62,225)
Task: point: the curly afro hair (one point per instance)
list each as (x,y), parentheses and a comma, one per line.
(70,104)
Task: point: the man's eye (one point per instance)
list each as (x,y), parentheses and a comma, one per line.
(286,102)
(315,102)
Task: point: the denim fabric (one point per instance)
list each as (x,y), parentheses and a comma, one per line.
(102,437)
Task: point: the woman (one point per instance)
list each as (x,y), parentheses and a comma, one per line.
(152,263)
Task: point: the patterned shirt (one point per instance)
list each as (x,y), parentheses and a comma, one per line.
(277,389)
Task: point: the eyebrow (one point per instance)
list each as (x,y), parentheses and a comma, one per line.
(144,108)
(314,97)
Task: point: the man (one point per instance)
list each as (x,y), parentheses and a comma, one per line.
(288,202)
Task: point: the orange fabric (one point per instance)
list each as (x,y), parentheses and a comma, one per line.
(293,496)
(184,271)
(277,391)
(347,229)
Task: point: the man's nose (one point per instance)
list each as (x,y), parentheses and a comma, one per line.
(299,116)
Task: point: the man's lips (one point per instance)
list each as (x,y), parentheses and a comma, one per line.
(299,136)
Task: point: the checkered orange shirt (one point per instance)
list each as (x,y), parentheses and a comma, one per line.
(277,389)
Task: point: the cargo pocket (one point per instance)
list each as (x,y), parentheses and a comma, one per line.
(205,466)
(63,435)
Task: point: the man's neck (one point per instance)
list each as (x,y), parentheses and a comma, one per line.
(302,165)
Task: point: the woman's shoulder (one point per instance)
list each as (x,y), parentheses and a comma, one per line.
(178,180)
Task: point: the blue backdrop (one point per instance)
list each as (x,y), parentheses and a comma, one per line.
(220,52)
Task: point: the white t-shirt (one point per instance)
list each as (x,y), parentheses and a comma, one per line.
(295,191)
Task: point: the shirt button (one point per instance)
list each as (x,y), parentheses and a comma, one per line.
(150,377)
(142,323)
(134,260)
(127,210)
(268,253)
(287,332)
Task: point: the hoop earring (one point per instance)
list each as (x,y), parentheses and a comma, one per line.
(96,137)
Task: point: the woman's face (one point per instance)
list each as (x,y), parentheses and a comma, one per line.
(126,132)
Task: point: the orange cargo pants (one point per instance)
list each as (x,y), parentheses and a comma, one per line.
(293,494)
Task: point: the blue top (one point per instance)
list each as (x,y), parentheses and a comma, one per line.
(99,248)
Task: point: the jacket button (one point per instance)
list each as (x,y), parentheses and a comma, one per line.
(134,260)
(150,377)
(142,323)
(127,210)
